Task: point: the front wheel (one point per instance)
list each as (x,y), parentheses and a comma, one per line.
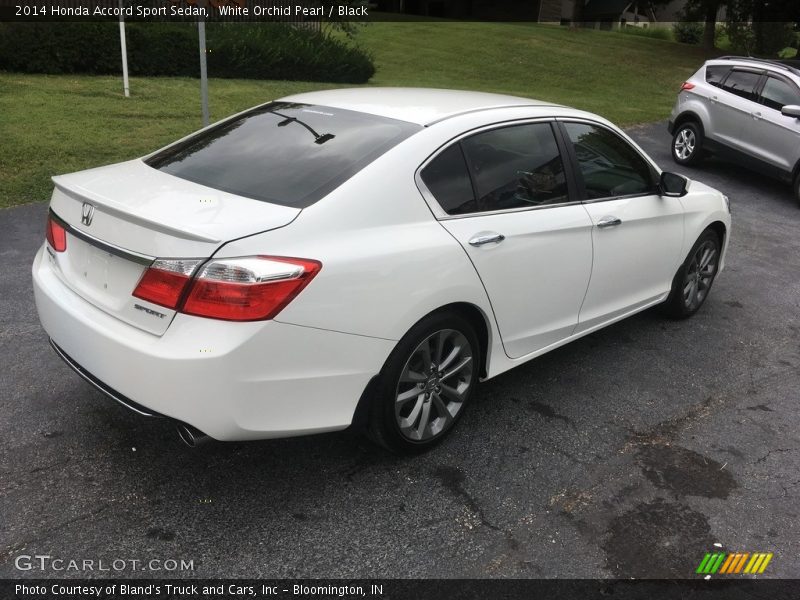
(425,384)
(687,144)
(694,278)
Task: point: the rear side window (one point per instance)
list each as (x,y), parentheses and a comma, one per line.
(716,73)
(284,153)
(515,167)
(447,179)
(510,167)
(777,94)
(742,83)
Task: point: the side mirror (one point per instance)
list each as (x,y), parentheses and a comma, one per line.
(791,110)
(672,185)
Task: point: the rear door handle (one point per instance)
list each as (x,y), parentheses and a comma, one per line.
(609,222)
(756,115)
(714,98)
(486,238)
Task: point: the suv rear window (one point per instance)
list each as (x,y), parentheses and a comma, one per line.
(716,73)
(284,153)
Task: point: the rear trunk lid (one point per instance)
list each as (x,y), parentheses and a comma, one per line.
(122,216)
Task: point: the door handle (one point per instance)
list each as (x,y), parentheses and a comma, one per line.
(756,115)
(714,98)
(609,222)
(486,238)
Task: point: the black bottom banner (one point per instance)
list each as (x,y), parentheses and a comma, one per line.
(417,589)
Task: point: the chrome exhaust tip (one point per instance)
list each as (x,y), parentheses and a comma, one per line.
(191,436)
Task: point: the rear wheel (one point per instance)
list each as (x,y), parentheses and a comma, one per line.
(425,384)
(694,279)
(687,143)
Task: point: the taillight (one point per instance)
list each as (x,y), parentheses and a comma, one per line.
(165,280)
(248,289)
(56,235)
(687,86)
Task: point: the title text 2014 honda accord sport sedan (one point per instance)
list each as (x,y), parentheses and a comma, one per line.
(362,257)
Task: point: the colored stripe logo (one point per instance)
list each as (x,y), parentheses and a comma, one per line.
(732,563)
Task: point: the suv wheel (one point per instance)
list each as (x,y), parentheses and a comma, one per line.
(687,143)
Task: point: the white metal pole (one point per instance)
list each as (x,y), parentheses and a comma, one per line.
(124,51)
(201,34)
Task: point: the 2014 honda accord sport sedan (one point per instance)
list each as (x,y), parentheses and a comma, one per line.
(362,256)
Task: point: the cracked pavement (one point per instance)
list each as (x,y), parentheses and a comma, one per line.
(628,453)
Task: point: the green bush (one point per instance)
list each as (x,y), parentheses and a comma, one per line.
(272,51)
(658,33)
(237,50)
(688,32)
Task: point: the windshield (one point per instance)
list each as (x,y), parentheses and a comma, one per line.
(283,153)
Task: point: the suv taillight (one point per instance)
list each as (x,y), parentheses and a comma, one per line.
(56,235)
(686,86)
(252,288)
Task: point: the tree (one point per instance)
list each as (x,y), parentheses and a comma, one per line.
(762,27)
(705,11)
(577,13)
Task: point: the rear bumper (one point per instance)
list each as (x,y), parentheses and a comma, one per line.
(107,390)
(232,381)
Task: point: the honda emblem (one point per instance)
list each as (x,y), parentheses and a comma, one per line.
(87,214)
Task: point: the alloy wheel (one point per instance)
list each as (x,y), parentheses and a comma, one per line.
(434,384)
(700,274)
(685,143)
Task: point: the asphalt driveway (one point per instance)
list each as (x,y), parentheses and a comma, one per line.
(627,453)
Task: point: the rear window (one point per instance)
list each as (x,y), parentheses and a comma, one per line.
(283,153)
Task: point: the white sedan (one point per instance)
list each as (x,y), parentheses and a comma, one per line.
(362,257)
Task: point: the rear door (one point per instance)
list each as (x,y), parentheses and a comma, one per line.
(733,105)
(505,196)
(770,136)
(637,235)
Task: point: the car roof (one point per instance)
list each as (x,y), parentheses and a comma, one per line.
(423,106)
(780,66)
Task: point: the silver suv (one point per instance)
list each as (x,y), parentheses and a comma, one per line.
(743,109)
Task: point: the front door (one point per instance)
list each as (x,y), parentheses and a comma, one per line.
(637,235)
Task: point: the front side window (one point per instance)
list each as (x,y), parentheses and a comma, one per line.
(609,165)
(777,94)
(507,168)
(742,83)
(283,153)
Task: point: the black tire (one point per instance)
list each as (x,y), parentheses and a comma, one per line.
(443,334)
(797,189)
(693,281)
(687,143)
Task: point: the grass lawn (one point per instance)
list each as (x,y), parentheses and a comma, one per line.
(57,124)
